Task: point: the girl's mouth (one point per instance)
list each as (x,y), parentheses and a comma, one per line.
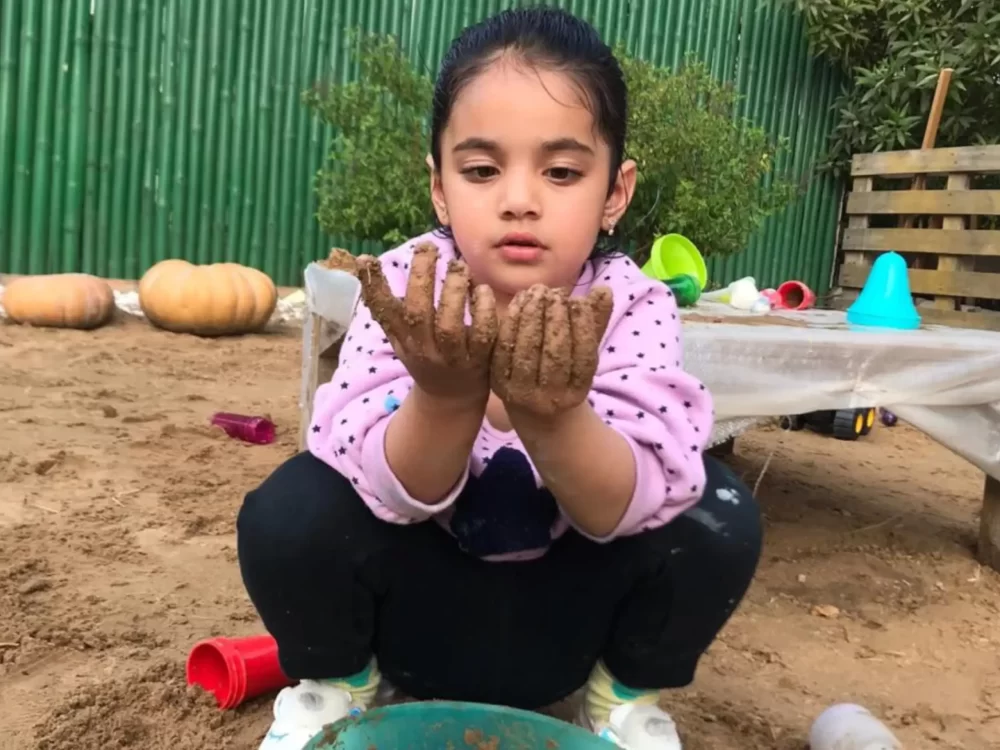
(520,247)
(520,239)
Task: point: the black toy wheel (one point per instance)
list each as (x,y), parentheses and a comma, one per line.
(792,422)
(848,424)
(870,416)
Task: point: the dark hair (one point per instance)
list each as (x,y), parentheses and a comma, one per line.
(549,38)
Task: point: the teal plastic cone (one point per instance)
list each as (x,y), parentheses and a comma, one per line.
(885,301)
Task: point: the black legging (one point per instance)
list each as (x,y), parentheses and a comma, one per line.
(335,585)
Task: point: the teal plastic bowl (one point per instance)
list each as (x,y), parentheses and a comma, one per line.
(441,725)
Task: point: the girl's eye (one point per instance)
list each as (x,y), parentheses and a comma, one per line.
(563,174)
(479,173)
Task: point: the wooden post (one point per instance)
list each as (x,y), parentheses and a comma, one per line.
(857,257)
(930,138)
(321,342)
(953,262)
(931,131)
(989,525)
(723,449)
(937,107)
(322,338)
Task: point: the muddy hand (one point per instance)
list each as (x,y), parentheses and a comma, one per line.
(341,260)
(443,354)
(547,349)
(458,344)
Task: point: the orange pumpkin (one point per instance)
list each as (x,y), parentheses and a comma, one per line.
(62,300)
(211,300)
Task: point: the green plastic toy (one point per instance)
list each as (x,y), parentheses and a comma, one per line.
(437,725)
(686,289)
(672,255)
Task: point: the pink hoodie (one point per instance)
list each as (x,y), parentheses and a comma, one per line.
(640,389)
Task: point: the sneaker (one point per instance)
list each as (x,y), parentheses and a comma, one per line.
(637,727)
(388,694)
(301,712)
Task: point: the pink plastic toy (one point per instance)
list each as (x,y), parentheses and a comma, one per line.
(257,430)
(772,296)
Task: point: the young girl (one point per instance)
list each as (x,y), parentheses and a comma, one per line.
(505,498)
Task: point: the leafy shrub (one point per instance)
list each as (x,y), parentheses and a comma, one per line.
(375,184)
(700,170)
(894,50)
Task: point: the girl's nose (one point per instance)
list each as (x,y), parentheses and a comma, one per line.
(519,196)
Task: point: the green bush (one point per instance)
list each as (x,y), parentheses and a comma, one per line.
(701,172)
(894,50)
(374,185)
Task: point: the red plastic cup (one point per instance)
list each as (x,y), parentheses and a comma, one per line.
(257,430)
(214,666)
(236,670)
(794,295)
(259,656)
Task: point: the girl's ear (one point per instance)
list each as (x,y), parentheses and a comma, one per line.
(621,194)
(437,192)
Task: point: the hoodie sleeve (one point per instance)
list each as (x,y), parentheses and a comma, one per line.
(643,392)
(352,412)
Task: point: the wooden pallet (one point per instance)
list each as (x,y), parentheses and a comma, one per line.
(953,264)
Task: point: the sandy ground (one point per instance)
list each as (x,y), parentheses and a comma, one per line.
(117,507)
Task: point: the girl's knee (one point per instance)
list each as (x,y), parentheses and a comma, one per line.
(734,511)
(299,504)
(723,532)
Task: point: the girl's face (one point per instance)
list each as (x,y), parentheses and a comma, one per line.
(523,179)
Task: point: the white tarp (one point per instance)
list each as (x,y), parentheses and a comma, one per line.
(944,381)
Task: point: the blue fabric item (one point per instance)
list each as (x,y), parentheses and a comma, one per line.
(503,511)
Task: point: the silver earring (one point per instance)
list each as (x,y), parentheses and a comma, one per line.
(611,230)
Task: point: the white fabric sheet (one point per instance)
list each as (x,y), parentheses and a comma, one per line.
(944,381)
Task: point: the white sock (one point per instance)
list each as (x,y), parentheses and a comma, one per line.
(363,686)
(604,694)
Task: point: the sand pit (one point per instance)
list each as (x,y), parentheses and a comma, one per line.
(117,508)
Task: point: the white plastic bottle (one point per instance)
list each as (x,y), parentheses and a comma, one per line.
(847,726)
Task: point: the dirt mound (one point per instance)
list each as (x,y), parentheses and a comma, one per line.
(154,710)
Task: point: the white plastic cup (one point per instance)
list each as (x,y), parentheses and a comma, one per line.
(331,293)
(847,726)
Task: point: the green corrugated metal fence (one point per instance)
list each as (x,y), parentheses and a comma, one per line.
(148,129)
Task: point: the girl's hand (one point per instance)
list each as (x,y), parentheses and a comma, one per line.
(445,358)
(547,350)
